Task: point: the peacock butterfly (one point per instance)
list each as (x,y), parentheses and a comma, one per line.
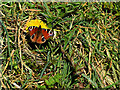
(38,34)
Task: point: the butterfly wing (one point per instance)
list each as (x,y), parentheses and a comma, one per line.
(41,39)
(36,34)
(33,33)
(39,35)
(47,33)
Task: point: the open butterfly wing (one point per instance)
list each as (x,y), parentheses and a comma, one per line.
(39,35)
(40,39)
(36,34)
(47,33)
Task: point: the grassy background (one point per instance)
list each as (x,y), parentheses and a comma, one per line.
(84,54)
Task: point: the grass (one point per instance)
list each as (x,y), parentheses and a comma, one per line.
(84,54)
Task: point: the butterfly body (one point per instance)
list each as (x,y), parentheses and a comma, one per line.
(38,34)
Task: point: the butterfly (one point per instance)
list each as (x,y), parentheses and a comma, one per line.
(38,34)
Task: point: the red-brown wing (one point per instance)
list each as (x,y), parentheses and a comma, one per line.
(39,35)
(33,31)
(47,33)
(41,39)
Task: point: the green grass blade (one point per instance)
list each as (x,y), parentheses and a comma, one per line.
(93,83)
(45,65)
(7,42)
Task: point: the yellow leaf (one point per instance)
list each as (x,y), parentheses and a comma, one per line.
(37,23)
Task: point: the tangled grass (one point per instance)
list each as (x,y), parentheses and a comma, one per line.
(84,53)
